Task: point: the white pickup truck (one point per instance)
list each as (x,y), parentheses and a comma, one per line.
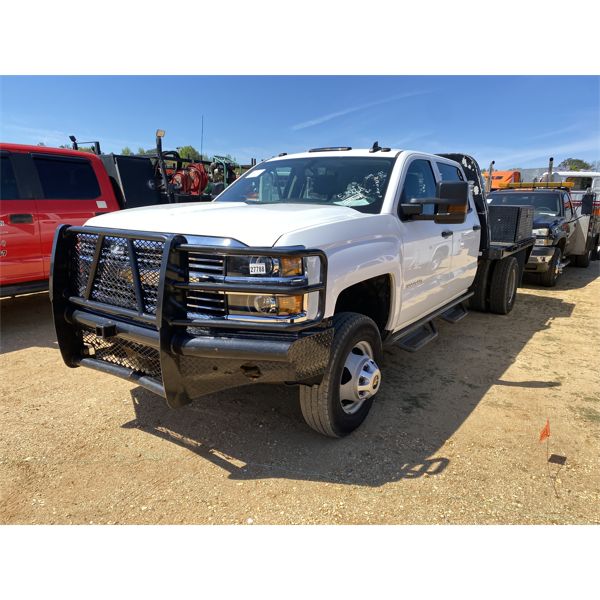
(297,273)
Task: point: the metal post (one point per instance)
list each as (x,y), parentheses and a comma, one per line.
(488,186)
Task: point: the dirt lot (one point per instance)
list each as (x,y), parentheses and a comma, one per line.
(452,437)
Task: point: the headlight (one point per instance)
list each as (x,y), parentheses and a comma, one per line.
(542,232)
(273,305)
(273,271)
(265,266)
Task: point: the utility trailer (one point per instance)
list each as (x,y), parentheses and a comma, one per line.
(164,176)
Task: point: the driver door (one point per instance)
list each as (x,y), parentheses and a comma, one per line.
(426,248)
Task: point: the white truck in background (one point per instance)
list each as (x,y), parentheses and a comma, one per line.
(298,273)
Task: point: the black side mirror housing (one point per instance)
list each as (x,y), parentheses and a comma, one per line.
(587,204)
(453,202)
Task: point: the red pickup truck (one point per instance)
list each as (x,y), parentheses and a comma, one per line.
(41,188)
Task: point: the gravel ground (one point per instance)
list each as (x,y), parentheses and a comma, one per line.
(451,438)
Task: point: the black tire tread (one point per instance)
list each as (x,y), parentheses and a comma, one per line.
(546,278)
(498,304)
(314,403)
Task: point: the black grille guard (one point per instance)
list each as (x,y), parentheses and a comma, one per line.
(168,329)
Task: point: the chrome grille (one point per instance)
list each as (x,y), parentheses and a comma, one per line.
(200,303)
(205,264)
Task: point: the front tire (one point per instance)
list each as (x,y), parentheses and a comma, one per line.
(549,277)
(341,402)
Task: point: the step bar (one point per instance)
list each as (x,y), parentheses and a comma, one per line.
(415,336)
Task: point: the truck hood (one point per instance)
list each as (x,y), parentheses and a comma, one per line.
(546,222)
(251,224)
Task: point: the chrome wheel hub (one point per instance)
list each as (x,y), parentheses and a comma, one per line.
(361,378)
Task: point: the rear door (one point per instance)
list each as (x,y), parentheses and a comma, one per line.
(20,244)
(465,236)
(70,193)
(426,247)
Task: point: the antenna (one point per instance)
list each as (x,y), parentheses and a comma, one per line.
(202,139)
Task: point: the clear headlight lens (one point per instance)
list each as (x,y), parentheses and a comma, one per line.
(264,266)
(544,231)
(265,304)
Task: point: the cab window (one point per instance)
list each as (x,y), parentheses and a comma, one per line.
(8,182)
(568,206)
(66,178)
(419,183)
(450,173)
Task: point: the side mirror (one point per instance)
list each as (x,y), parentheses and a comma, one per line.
(587,204)
(453,202)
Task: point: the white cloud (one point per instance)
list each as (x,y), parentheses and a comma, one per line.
(347,111)
(556,132)
(23,134)
(506,157)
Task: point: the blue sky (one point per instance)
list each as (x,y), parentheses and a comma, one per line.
(518,121)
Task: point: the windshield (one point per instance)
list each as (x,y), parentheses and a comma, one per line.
(545,204)
(356,182)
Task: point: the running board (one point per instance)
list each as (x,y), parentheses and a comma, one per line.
(455,314)
(416,339)
(415,336)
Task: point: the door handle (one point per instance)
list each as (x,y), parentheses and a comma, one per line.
(476,227)
(23,218)
(446,234)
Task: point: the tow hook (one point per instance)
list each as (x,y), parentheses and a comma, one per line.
(106,330)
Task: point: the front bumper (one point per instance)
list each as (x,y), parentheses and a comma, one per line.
(539,259)
(178,358)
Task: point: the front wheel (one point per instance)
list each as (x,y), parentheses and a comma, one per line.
(340,403)
(549,277)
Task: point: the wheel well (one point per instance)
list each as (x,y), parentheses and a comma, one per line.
(371,297)
(561,244)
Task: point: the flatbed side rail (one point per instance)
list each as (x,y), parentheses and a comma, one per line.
(500,250)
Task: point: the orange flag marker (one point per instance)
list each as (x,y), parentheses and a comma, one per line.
(545,432)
